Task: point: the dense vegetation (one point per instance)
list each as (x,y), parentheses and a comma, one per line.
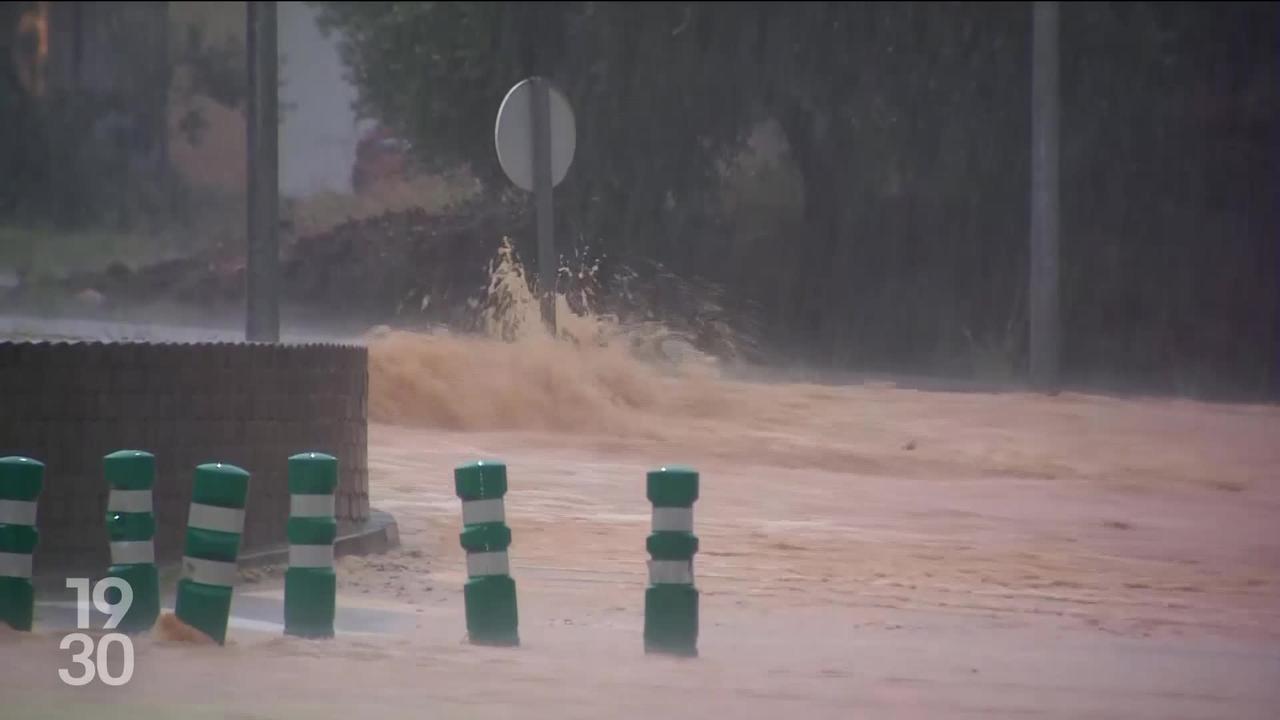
(907,130)
(891,232)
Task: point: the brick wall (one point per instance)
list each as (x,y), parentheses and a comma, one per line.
(68,404)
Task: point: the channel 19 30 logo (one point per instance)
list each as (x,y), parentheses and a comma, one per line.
(94,658)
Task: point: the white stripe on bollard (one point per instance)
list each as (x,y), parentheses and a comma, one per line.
(129,501)
(311,556)
(17,512)
(132,552)
(212,517)
(320,506)
(671,572)
(673,519)
(489,563)
(17,565)
(475,512)
(209,572)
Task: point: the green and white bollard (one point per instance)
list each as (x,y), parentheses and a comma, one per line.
(310,586)
(20,482)
(209,571)
(131,529)
(490,593)
(671,600)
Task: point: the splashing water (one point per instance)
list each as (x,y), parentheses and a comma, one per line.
(511,312)
(597,375)
(614,386)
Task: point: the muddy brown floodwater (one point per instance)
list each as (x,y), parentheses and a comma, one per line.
(867,551)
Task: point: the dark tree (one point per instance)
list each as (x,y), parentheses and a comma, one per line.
(908,127)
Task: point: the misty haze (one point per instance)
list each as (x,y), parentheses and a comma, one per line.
(965,315)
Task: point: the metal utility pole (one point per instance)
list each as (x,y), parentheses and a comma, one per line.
(262,304)
(1044,307)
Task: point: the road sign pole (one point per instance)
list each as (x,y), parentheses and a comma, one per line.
(540,101)
(535,138)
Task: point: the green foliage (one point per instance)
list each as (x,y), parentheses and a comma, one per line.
(907,126)
(875,104)
(651,85)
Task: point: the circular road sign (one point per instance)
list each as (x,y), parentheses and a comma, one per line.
(513,134)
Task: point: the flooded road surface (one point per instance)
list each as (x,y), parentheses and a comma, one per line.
(867,551)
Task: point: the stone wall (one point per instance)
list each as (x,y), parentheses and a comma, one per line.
(251,405)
